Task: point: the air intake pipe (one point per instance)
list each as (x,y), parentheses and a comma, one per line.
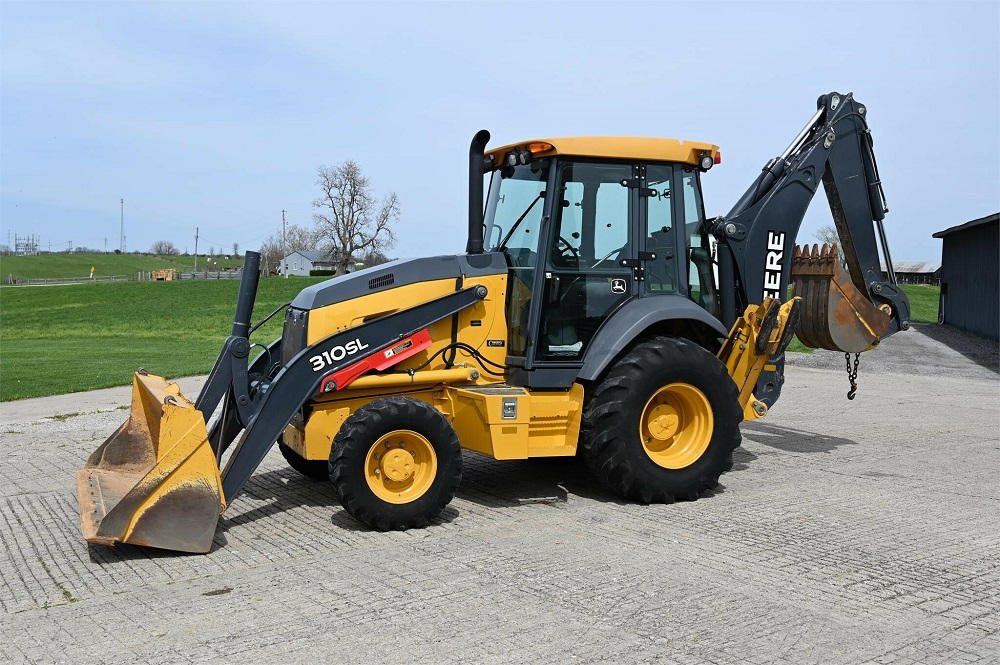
(476,150)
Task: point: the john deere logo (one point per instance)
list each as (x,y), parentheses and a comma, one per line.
(618,286)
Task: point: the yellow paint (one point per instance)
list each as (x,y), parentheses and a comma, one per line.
(400,467)
(135,477)
(547,424)
(321,426)
(676,425)
(616,147)
(754,409)
(739,354)
(489,313)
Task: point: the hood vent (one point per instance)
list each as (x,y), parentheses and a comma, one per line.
(381,281)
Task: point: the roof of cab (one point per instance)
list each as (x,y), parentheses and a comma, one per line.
(616,147)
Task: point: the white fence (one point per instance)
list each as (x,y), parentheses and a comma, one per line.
(137,277)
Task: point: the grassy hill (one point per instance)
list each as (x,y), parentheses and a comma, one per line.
(64,339)
(78,265)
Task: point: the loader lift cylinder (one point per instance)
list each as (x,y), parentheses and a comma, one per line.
(247,294)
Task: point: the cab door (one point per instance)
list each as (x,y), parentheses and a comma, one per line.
(659,211)
(589,251)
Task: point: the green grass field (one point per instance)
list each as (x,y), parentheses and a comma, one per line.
(78,265)
(62,339)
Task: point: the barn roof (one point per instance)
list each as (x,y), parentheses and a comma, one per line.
(968,225)
(916,266)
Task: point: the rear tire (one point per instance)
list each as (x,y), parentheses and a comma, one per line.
(663,422)
(396,464)
(315,469)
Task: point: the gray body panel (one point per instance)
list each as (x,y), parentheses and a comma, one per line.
(631,320)
(397,273)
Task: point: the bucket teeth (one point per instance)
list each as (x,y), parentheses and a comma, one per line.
(835,314)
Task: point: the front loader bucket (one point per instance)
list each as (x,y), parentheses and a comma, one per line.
(835,314)
(155,481)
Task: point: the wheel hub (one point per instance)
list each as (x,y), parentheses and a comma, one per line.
(397,464)
(663,422)
(401,466)
(676,425)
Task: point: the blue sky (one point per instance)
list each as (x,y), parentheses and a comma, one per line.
(216,115)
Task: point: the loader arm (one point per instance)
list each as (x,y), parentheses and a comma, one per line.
(850,309)
(157,482)
(300,379)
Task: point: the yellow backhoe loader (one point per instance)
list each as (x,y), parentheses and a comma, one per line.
(596,311)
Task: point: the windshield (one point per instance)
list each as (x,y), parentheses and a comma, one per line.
(514,207)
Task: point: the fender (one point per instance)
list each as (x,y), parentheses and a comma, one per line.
(634,318)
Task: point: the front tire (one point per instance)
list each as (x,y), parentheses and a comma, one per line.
(396,464)
(663,422)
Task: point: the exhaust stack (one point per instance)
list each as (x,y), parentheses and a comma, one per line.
(476,150)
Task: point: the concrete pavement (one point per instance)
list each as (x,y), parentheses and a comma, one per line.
(847,532)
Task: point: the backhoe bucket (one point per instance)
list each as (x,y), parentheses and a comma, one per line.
(835,314)
(155,481)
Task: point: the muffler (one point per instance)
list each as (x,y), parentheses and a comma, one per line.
(155,481)
(835,314)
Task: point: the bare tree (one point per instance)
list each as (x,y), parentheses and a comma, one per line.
(296,238)
(163,248)
(374,257)
(828,235)
(236,249)
(348,218)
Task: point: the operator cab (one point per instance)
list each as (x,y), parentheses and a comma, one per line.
(587,225)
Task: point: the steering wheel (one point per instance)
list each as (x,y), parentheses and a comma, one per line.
(567,252)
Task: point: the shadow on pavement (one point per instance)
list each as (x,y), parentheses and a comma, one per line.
(792,440)
(512,483)
(741,460)
(984,352)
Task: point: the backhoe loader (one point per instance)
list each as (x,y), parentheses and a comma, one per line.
(596,311)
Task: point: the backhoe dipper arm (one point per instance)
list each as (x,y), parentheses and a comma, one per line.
(756,238)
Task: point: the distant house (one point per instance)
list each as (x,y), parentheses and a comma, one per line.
(301,262)
(970,276)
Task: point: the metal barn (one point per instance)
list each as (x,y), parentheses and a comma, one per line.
(970,276)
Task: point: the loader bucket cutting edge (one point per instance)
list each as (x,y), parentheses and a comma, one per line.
(155,481)
(836,315)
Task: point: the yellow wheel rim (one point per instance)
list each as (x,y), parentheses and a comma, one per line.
(400,467)
(676,426)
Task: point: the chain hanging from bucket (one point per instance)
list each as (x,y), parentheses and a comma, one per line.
(852,373)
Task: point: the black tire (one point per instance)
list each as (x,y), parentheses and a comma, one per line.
(349,459)
(610,435)
(315,469)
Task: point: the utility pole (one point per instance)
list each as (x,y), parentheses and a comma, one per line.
(196,249)
(284,245)
(123,227)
